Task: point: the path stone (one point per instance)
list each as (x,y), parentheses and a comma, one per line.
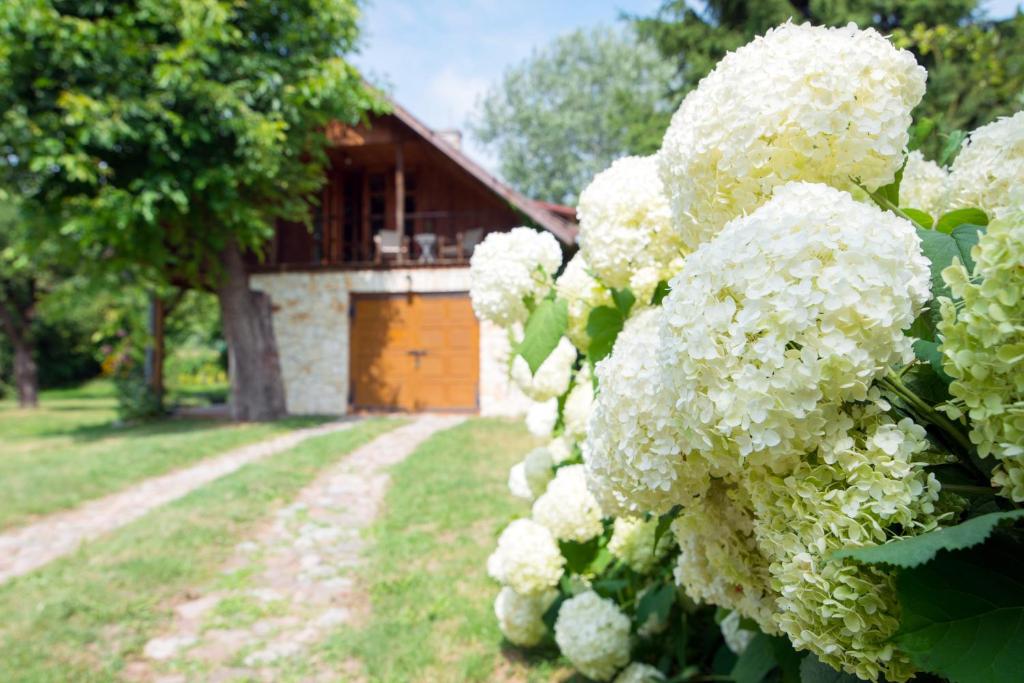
(297,584)
(30,547)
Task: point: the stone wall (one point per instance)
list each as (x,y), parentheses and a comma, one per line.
(311,323)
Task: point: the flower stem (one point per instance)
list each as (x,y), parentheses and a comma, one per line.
(925,412)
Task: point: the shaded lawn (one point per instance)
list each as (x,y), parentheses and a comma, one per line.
(70,449)
(80,618)
(432,613)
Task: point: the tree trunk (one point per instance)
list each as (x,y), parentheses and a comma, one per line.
(257,390)
(26,375)
(17,325)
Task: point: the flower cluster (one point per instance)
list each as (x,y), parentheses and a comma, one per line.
(990,166)
(508,268)
(521,617)
(626,233)
(527,558)
(802,102)
(633,542)
(568,509)
(984,347)
(593,633)
(925,185)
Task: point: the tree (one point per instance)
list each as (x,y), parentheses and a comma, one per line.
(976,71)
(19,290)
(170,135)
(572,108)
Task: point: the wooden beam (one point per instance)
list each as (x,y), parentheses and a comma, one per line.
(400,193)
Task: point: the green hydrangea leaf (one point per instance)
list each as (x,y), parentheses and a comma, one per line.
(544,328)
(963,614)
(949,151)
(578,556)
(915,551)
(656,601)
(928,351)
(891,192)
(813,670)
(660,292)
(953,219)
(755,662)
(624,300)
(665,522)
(603,327)
(943,250)
(922,219)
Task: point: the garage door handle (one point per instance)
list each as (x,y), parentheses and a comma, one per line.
(417,354)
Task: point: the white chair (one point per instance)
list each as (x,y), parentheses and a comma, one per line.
(387,243)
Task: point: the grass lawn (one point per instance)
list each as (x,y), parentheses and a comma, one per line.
(70,449)
(432,613)
(79,618)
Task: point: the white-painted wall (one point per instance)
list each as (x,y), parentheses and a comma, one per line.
(311,323)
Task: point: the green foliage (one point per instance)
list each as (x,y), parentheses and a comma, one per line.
(944,249)
(544,329)
(605,322)
(156,132)
(952,220)
(572,108)
(963,614)
(812,670)
(917,550)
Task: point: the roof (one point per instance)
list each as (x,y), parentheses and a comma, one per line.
(554,218)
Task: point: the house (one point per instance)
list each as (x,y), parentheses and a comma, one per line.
(371,308)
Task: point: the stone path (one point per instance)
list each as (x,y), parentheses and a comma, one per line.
(30,547)
(290,585)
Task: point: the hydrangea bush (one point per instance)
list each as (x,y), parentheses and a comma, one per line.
(780,390)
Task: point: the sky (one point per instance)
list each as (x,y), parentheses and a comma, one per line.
(439,56)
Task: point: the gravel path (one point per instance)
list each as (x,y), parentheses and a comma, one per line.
(287,587)
(30,547)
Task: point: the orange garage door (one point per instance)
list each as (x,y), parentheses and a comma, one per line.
(414,352)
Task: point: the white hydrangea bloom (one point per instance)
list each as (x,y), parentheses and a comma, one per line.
(736,639)
(541,417)
(517,484)
(578,405)
(583,294)
(925,185)
(626,224)
(552,377)
(798,305)
(719,560)
(508,267)
(527,558)
(560,450)
(568,508)
(632,542)
(990,166)
(593,634)
(633,458)
(521,617)
(800,103)
(638,672)
(538,470)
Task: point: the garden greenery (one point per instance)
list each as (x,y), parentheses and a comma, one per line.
(782,389)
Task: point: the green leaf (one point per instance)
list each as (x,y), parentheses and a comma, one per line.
(911,552)
(813,670)
(922,219)
(963,614)
(603,327)
(656,601)
(624,300)
(608,588)
(660,292)
(943,250)
(920,132)
(952,146)
(928,351)
(578,556)
(551,615)
(665,522)
(755,662)
(957,217)
(891,192)
(544,329)
(787,658)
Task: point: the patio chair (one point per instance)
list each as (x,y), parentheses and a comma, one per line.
(387,243)
(465,243)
